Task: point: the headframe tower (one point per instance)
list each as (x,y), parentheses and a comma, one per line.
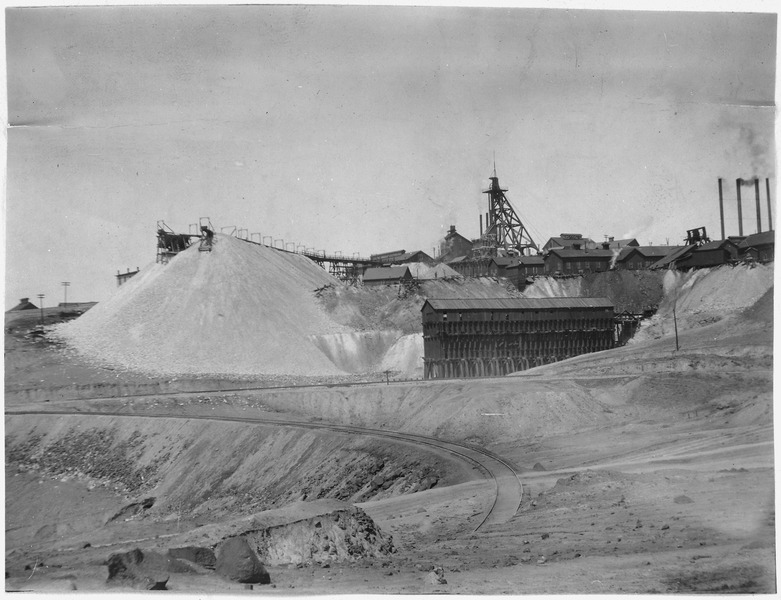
(502,222)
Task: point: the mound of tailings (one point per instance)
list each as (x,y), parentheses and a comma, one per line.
(706,296)
(241,309)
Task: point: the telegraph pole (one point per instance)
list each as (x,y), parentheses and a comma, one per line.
(40,300)
(65,285)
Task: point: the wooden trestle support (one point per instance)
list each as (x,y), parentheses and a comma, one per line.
(496,348)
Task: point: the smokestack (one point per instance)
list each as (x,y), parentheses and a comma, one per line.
(759,214)
(721,210)
(481,224)
(769,210)
(738,183)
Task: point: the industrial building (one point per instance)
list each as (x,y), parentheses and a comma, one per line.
(495,336)
(454,246)
(386,276)
(571,262)
(759,246)
(633,258)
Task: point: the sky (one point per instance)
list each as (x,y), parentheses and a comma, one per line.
(363,129)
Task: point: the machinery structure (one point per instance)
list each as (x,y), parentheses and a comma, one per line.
(169,243)
(471,337)
(504,229)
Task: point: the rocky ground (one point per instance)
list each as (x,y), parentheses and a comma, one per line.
(646,469)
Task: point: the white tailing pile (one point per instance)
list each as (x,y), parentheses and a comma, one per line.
(240,309)
(705,296)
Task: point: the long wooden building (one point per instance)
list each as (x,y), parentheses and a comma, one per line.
(470,337)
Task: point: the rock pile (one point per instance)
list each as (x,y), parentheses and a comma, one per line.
(241,309)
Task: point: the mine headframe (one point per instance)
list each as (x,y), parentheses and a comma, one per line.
(697,237)
(169,243)
(502,222)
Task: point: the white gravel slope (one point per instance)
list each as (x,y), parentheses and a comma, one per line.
(241,309)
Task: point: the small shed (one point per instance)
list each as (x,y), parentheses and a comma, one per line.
(386,276)
(759,246)
(498,266)
(712,254)
(24,304)
(527,266)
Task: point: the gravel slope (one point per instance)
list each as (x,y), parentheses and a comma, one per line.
(240,309)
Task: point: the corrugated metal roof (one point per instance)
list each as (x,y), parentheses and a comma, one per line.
(446,304)
(381,273)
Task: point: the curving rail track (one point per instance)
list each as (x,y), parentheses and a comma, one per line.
(503,474)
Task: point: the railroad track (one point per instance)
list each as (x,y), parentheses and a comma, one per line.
(508,490)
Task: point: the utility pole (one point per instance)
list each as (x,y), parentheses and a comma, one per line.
(40,300)
(675,322)
(65,285)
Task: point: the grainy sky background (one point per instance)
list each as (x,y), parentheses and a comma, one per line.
(369,129)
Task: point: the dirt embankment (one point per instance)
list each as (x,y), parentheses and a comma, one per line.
(202,468)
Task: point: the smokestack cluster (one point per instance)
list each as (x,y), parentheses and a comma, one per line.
(738,184)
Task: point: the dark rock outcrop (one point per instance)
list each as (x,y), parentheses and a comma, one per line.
(138,569)
(237,561)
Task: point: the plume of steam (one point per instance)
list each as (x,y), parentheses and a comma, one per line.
(616,252)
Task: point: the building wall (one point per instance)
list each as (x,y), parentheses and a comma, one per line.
(571,265)
(483,343)
(637,261)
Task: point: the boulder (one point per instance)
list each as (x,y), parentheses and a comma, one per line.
(238,561)
(142,570)
(436,576)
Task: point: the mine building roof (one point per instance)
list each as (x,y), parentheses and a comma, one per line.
(647,251)
(24,304)
(511,304)
(572,253)
(416,256)
(386,273)
(678,254)
(715,245)
(527,260)
(759,239)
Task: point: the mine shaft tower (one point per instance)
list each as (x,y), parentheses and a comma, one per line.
(502,222)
